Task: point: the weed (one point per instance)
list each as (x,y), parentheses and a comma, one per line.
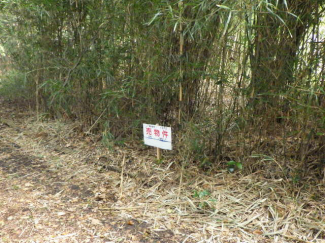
(232,166)
(15,187)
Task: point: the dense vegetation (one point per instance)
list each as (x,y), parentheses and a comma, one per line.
(238,80)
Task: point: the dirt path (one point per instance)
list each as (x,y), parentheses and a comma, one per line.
(54,188)
(39,204)
(48,196)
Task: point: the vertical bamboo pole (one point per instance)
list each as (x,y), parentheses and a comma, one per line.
(181,51)
(37,94)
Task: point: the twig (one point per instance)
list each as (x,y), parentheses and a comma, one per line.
(63,236)
(180,184)
(96,121)
(296,239)
(122,177)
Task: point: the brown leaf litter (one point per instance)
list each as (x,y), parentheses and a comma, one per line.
(54,188)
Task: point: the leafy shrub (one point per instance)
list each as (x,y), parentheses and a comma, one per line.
(13,85)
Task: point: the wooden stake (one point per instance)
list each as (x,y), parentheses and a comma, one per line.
(158,154)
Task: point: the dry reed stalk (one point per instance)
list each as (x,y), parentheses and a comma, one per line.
(122,176)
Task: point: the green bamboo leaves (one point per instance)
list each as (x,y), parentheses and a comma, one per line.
(206,67)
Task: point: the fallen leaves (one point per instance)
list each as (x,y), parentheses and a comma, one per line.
(62,196)
(95,221)
(130,222)
(61,213)
(10,218)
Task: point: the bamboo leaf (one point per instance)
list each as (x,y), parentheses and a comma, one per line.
(227,24)
(154,18)
(223,6)
(171,10)
(285,4)
(279,18)
(175,26)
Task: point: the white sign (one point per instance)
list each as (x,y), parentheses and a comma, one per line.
(157,136)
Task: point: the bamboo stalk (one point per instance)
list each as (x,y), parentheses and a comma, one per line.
(37,95)
(181,51)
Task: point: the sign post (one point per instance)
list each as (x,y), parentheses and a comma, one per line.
(157,136)
(158,154)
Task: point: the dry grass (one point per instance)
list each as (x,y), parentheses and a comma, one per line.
(222,207)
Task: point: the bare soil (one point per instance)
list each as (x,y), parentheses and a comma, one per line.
(58,185)
(48,197)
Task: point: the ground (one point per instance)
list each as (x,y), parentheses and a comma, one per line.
(60,185)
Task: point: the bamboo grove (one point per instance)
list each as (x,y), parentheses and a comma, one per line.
(237,80)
